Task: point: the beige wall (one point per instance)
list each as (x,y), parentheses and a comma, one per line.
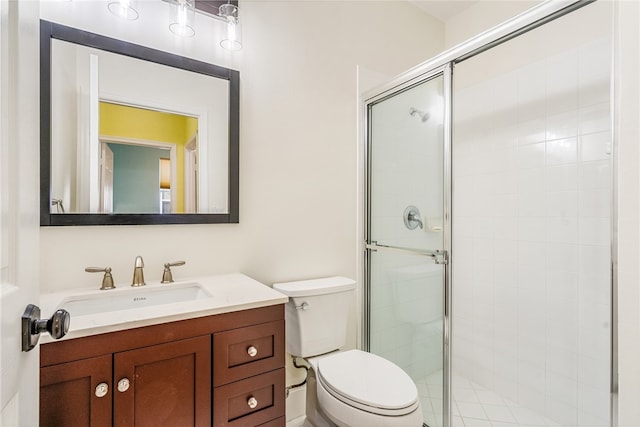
(627,135)
(298,145)
(481,16)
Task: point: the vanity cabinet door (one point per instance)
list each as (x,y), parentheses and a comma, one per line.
(164,385)
(76,394)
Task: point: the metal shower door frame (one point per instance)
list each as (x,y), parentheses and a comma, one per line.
(439,256)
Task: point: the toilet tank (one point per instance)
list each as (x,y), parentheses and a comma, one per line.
(316,314)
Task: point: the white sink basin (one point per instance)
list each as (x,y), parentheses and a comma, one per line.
(131,298)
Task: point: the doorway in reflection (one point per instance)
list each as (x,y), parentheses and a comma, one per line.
(148,160)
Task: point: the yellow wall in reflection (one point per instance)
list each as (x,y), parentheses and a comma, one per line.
(149,125)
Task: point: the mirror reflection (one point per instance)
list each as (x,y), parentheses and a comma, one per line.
(116,100)
(148,161)
(132,135)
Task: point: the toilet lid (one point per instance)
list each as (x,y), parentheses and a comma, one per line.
(366,379)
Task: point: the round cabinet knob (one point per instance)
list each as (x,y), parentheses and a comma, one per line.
(252,402)
(123,385)
(102,389)
(252,351)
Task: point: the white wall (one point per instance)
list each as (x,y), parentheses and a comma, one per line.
(63,164)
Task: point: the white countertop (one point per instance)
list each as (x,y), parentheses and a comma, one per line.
(229,292)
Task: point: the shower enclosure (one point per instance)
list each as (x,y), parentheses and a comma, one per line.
(488,233)
(408,241)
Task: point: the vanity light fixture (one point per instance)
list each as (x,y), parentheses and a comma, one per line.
(125,9)
(183,13)
(183,17)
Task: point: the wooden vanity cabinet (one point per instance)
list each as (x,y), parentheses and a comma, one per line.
(67,393)
(220,370)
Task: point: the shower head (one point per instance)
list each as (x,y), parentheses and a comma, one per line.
(423,116)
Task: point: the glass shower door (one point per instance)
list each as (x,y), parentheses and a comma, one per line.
(407,236)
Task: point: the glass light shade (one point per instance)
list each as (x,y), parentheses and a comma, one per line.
(233,36)
(232,39)
(183,15)
(125,9)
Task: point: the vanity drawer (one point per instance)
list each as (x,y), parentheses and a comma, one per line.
(252,401)
(244,352)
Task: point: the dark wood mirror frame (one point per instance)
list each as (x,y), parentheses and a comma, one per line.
(50,31)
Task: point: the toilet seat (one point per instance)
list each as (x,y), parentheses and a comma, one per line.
(368,382)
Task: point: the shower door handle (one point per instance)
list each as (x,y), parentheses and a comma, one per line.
(440,256)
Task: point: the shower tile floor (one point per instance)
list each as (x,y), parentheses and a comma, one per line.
(473,405)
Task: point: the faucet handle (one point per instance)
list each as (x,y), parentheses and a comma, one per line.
(167,277)
(107,280)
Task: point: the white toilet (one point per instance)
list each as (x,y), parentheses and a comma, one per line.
(345,388)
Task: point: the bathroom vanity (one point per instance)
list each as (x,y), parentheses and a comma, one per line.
(222,365)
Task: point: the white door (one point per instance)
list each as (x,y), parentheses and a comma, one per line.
(191,175)
(88,155)
(19,220)
(106,178)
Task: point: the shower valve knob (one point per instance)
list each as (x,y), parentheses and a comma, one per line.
(412,218)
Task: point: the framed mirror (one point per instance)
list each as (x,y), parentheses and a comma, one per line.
(133,135)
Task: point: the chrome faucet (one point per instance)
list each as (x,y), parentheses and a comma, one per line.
(138,273)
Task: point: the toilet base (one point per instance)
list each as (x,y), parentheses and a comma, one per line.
(315,416)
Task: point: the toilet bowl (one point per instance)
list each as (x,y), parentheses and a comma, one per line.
(356,388)
(344,388)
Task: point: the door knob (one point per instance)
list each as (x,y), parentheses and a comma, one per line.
(32,326)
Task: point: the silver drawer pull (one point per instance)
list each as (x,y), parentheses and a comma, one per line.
(252,402)
(252,351)
(102,389)
(123,385)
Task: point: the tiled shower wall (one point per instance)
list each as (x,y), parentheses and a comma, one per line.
(531,229)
